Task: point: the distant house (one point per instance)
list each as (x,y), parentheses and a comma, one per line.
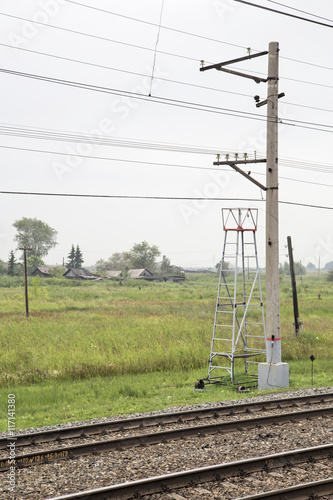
(177,269)
(139,273)
(44,272)
(81,274)
(113,275)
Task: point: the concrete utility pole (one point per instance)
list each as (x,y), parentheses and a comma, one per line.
(272,210)
(273,373)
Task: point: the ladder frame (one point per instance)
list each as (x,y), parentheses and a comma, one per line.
(240,221)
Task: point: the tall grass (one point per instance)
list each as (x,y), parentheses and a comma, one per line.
(79,330)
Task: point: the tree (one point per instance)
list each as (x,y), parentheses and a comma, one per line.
(310,267)
(71,258)
(75,258)
(117,262)
(298,268)
(3,269)
(11,264)
(56,272)
(226,266)
(78,260)
(142,255)
(329,266)
(330,275)
(32,262)
(166,267)
(36,235)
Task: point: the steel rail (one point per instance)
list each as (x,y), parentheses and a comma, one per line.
(161,419)
(304,491)
(122,443)
(189,478)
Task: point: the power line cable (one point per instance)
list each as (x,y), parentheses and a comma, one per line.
(102,66)
(178,82)
(139,162)
(154,24)
(97,37)
(182,32)
(65,136)
(299,10)
(169,101)
(149,48)
(107,158)
(136,95)
(167,198)
(284,13)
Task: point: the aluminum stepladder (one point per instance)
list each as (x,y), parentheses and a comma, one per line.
(239,326)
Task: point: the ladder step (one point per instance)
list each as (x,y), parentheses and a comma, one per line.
(220,367)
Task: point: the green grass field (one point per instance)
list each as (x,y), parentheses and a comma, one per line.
(95,349)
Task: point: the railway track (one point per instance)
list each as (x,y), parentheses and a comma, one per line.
(86,430)
(185,441)
(136,440)
(166,483)
(315,489)
(242,438)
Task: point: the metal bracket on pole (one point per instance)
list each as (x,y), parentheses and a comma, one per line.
(218,66)
(263,103)
(257,79)
(233,61)
(233,164)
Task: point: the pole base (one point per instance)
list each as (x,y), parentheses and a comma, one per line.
(273,376)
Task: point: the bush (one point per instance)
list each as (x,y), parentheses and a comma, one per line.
(11,281)
(330,276)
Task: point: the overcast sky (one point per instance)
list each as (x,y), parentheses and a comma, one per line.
(128,54)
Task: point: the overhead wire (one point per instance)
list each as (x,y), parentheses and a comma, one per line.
(178,82)
(167,198)
(299,10)
(69,136)
(98,37)
(136,95)
(105,11)
(170,102)
(149,163)
(156,25)
(82,33)
(65,136)
(284,13)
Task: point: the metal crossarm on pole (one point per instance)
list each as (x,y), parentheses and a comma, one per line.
(233,61)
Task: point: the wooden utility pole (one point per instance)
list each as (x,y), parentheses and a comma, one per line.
(26,280)
(293,285)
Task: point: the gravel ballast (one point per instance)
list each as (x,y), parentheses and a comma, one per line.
(69,476)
